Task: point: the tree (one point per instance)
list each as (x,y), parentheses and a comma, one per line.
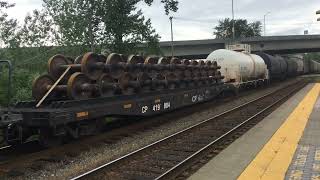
(241,26)
(116,24)
(76,21)
(124,27)
(37,30)
(8,27)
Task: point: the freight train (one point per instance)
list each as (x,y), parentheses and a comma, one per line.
(75,96)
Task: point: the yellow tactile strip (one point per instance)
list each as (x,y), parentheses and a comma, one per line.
(274,159)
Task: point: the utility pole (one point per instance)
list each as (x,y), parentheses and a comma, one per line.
(264,22)
(233,30)
(172,53)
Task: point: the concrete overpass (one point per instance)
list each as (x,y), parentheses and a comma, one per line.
(269,44)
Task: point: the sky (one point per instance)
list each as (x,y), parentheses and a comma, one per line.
(196,19)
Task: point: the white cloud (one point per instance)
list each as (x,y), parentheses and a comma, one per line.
(287,16)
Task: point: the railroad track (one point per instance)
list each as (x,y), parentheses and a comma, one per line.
(170,156)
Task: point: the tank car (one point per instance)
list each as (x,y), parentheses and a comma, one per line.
(300,64)
(306,66)
(314,67)
(276,65)
(240,68)
(292,67)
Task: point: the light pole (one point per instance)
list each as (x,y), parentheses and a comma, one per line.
(264,22)
(172,54)
(318,12)
(233,30)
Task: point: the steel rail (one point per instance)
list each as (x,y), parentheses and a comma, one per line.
(171,170)
(5,147)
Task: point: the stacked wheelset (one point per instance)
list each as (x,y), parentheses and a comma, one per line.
(94,75)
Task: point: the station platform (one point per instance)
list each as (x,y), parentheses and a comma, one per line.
(285,145)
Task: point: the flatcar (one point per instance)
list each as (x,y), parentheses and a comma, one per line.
(73,99)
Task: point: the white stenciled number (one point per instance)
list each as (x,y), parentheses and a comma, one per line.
(156,107)
(166,105)
(194,98)
(144,109)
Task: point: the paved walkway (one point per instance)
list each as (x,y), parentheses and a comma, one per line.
(266,151)
(306,161)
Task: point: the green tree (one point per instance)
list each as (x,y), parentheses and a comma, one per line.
(8,27)
(241,26)
(116,24)
(37,30)
(77,21)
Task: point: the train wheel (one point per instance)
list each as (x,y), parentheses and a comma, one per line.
(134,70)
(89,67)
(54,65)
(39,87)
(107,85)
(115,60)
(75,87)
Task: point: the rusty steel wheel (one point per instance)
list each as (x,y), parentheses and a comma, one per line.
(164,60)
(175,61)
(107,85)
(90,67)
(145,82)
(172,80)
(134,59)
(165,63)
(159,82)
(150,63)
(125,84)
(41,85)
(76,87)
(186,62)
(215,64)
(201,62)
(194,63)
(177,66)
(116,70)
(114,58)
(151,60)
(55,65)
(135,70)
(209,63)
